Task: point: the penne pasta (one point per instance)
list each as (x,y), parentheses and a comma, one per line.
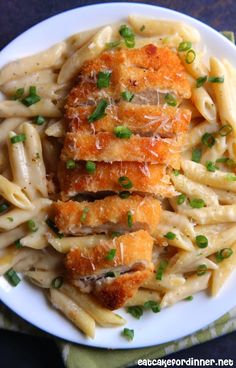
(204,103)
(45,107)
(143,296)
(13,193)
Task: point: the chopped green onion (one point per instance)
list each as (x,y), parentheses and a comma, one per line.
(170,235)
(112,44)
(18,138)
(128,35)
(231,177)
(197,203)
(136,311)
(196,155)
(176,172)
(18,244)
(32,226)
(125,182)
(200,81)
(161,269)
(127,95)
(115,234)
(10,219)
(227,161)
(70,164)
(53,227)
(208,140)
(216,79)
(201,241)
(122,132)
(111,254)
(130,219)
(170,99)
(18,94)
(3,207)
(57,282)
(39,120)
(201,270)
(128,334)
(190,56)
(229,35)
(154,306)
(90,167)
(103,79)
(125,194)
(184,46)
(225,130)
(142,28)
(211,166)
(99,111)
(181,198)
(84,214)
(223,254)
(32,97)
(110,274)
(189,298)
(12,277)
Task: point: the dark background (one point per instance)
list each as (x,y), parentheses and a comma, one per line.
(24,351)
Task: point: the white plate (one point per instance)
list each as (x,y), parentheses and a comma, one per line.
(28,301)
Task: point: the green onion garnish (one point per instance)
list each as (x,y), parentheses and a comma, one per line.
(161,269)
(53,227)
(128,35)
(197,203)
(211,166)
(130,219)
(189,298)
(201,241)
(103,79)
(142,28)
(110,274)
(176,172)
(200,81)
(32,226)
(115,234)
(39,120)
(225,130)
(12,277)
(196,155)
(90,167)
(32,97)
(227,161)
(170,99)
(125,194)
(10,219)
(223,254)
(18,138)
(70,164)
(122,132)
(208,140)
(57,282)
(18,244)
(125,182)
(201,270)
(112,44)
(181,198)
(3,207)
(111,254)
(229,35)
(18,94)
(136,311)
(184,46)
(216,79)
(128,334)
(84,214)
(99,111)
(231,177)
(190,56)
(170,235)
(154,306)
(127,95)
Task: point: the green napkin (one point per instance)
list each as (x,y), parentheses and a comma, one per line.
(76,356)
